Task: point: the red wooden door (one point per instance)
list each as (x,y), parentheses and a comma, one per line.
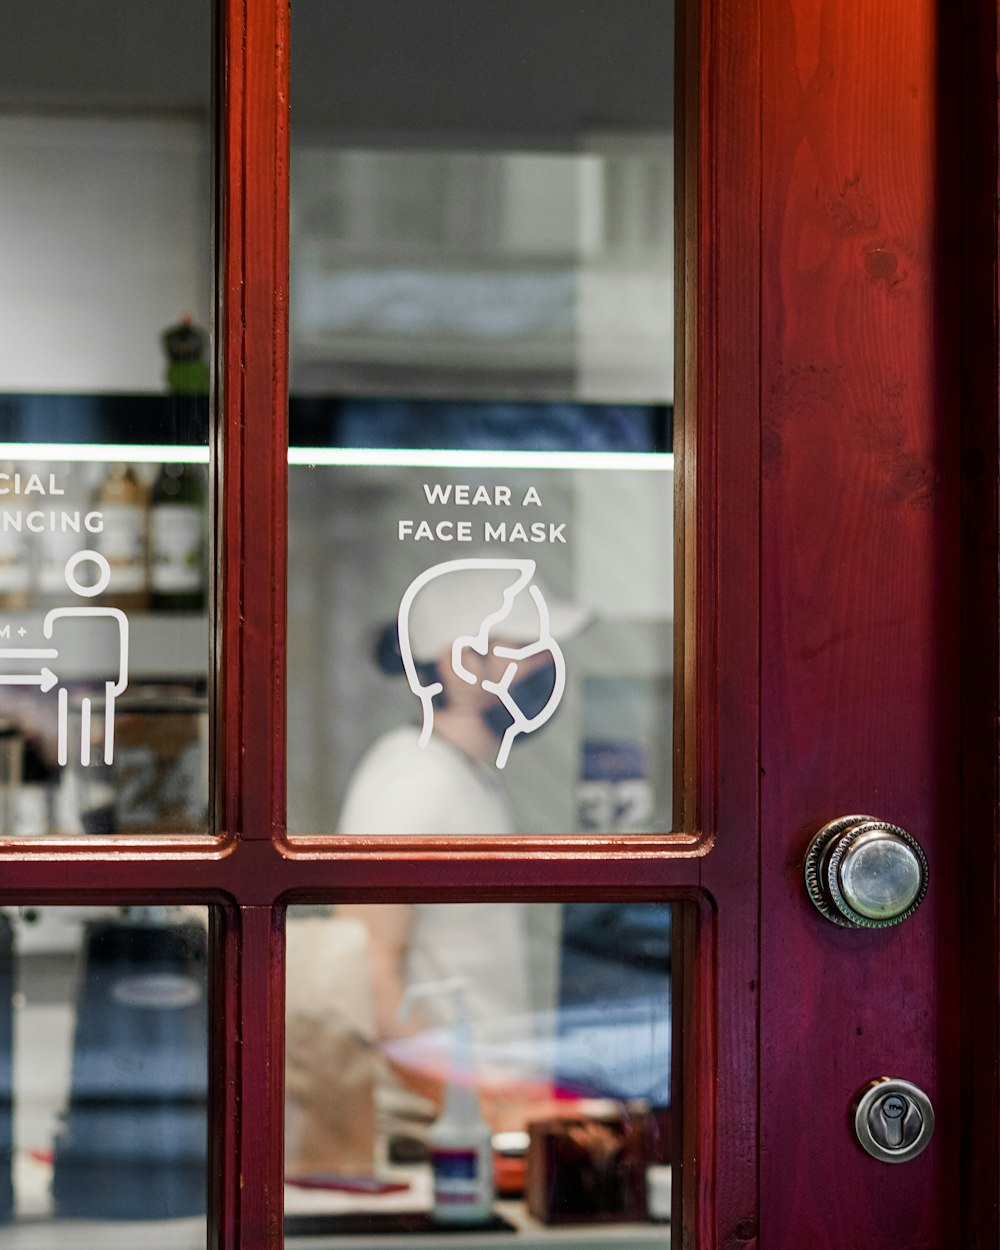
(839,593)
(860,594)
(832,216)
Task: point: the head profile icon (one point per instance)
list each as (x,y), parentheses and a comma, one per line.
(490,623)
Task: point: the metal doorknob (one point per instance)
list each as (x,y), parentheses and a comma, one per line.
(863,873)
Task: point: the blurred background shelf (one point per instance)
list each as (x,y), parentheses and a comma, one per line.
(162,646)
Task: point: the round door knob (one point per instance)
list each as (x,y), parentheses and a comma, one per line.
(864,873)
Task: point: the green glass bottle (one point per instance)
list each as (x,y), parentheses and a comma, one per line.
(178,571)
(187,370)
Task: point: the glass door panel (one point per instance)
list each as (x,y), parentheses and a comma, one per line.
(103,1077)
(479,1068)
(481,469)
(105,287)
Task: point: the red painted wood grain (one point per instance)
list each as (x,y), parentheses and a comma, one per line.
(720,1204)
(254,424)
(860,706)
(824,306)
(977,123)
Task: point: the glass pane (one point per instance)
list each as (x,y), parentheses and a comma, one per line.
(477,1068)
(481,477)
(105,286)
(103,1077)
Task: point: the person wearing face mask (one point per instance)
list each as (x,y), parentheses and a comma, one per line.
(478,642)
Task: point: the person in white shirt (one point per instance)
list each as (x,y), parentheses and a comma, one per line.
(478,641)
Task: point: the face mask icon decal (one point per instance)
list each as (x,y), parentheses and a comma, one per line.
(492,609)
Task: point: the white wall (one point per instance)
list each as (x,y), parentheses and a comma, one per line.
(472,272)
(104,241)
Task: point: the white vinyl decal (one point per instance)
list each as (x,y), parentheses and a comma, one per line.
(46,678)
(516,629)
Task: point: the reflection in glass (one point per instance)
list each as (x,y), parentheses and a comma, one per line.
(103,688)
(494,1065)
(105,284)
(481,326)
(104,202)
(530,274)
(482,208)
(103,1076)
(508,751)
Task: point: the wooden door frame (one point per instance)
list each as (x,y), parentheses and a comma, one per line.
(254,871)
(917,84)
(747,55)
(979,181)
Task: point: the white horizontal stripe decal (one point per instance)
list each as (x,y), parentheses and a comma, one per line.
(353,457)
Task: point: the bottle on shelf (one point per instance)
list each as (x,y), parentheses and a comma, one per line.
(34,807)
(178,567)
(56,543)
(122,501)
(177,554)
(15,552)
(187,370)
(11,773)
(460,1149)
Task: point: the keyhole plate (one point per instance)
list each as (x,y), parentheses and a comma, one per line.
(893,1120)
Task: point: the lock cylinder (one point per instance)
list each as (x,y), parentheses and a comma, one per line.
(893,1120)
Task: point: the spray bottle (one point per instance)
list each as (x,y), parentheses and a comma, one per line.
(459,1139)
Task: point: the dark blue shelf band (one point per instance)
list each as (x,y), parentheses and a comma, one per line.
(322,422)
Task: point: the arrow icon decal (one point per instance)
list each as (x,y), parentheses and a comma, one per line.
(46,679)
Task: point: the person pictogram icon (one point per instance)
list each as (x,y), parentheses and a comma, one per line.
(112,689)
